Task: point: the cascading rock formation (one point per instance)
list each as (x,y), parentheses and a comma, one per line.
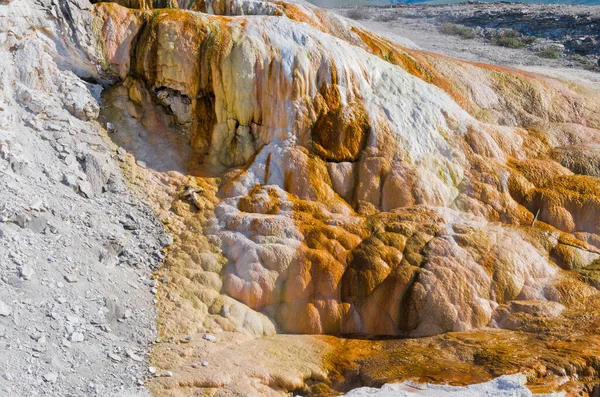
(345,185)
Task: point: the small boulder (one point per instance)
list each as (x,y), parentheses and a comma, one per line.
(5,310)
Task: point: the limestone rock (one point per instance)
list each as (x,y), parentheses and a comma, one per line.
(80,103)
(361,187)
(95,172)
(5,310)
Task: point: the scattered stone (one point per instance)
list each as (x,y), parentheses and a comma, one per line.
(21,220)
(115,357)
(128,313)
(50,377)
(95,173)
(71,161)
(152,370)
(5,310)
(38,224)
(85,189)
(70,180)
(189,338)
(141,164)
(121,153)
(129,223)
(225,311)
(76,337)
(110,127)
(165,240)
(134,356)
(26,272)
(205,363)
(37,205)
(209,337)
(71,278)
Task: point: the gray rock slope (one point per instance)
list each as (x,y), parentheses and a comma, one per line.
(76,246)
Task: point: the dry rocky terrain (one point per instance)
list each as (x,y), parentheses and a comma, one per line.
(512,34)
(77,247)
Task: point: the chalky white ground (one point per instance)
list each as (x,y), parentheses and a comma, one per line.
(504,386)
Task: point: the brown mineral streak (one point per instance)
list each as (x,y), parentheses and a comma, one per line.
(343,230)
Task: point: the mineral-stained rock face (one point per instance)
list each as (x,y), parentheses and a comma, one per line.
(364,188)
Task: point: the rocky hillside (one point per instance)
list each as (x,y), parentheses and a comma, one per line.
(318,179)
(77,248)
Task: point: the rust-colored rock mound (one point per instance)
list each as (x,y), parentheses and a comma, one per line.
(364,189)
(345,185)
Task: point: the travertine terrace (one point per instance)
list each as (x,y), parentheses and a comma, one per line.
(339,184)
(322,182)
